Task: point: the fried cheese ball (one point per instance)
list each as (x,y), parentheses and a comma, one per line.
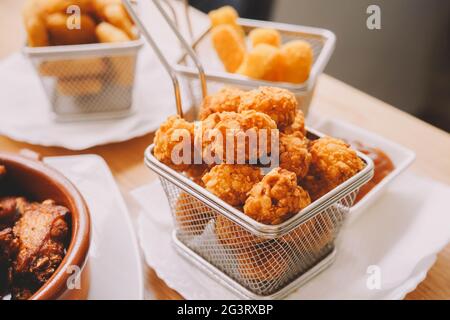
(226,99)
(172,139)
(231,183)
(118,17)
(229,46)
(221,129)
(37,35)
(279,104)
(191,214)
(297,61)
(276,198)
(298,126)
(262,62)
(233,236)
(106,33)
(265,35)
(226,15)
(332,163)
(257,264)
(56,24)
(294,154)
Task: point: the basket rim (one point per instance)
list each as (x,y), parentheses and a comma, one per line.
(249,224)
(329,43)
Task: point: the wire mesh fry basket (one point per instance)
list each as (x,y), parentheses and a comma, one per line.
(89,81)
(253,259)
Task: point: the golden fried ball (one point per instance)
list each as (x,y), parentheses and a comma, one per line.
(294,154)
(173,137)
(231,183)
(262,62)
(297,60)
(229,46)
(226,99)
(298,126)
(191,214)
(276,198)
(279,104)
(265,35)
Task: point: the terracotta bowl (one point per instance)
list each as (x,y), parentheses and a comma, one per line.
(38,182)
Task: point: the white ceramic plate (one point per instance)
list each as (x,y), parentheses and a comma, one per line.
(115,262)
(400,156)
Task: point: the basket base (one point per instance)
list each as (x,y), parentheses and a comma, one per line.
(220,277)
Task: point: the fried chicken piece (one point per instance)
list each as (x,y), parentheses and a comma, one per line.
(233,236)
(248,134)
(174,143)
(294,154)
(279,104)
(43,231)
(191,214)
(231,183)
(262,62)
(226,99)
(8,211)
(276,198)
(196,172)
(265,35)
(333,162)
(297,61)
(229,46)
(298,126)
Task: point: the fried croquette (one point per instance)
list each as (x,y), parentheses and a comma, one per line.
(106,32)
(229,46)
(226,15)
(231,183)
(332,163)
(174,143)
(279,104)
(60,34)
(226,137)
(191,214)
(294,154)
(231,235)
(262,62)
(298,126)
(265,35)
(118,17)
(297,61)
(226,99)
(37,35)
(276,198)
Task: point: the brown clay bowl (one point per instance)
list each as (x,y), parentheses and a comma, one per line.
(38,182)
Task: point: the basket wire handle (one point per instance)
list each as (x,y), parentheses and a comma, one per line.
(166,64)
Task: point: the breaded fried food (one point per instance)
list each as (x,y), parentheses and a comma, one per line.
(237,137)
(279,104)
(73,68)
(256,264)
(294,154)
(333,162)
(276,198)
(265,35)
(226,99)
(174,142)
(106,33)
(196,172)
(60,34)
(79,86)
(100,6)
(191,214)
(297,61)
(8,211)
(231,183)
(231,235)
(118,17)
(226,15)
(298,126)
(262,62)
(37,35)
(229,46)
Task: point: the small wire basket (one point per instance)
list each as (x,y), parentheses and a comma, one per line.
(89,81)
(257,261)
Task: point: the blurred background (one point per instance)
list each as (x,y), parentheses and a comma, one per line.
(406,63)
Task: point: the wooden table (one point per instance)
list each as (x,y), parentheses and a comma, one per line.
(333,99)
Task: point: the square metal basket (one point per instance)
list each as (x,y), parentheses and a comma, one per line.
(257,261)
(89,81)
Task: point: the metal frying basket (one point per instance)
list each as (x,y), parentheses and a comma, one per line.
(253,259)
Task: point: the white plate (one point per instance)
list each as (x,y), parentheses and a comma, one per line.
(115,262)
(400,156)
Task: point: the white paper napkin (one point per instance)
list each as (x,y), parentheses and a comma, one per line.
(25,111)
(400,235)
